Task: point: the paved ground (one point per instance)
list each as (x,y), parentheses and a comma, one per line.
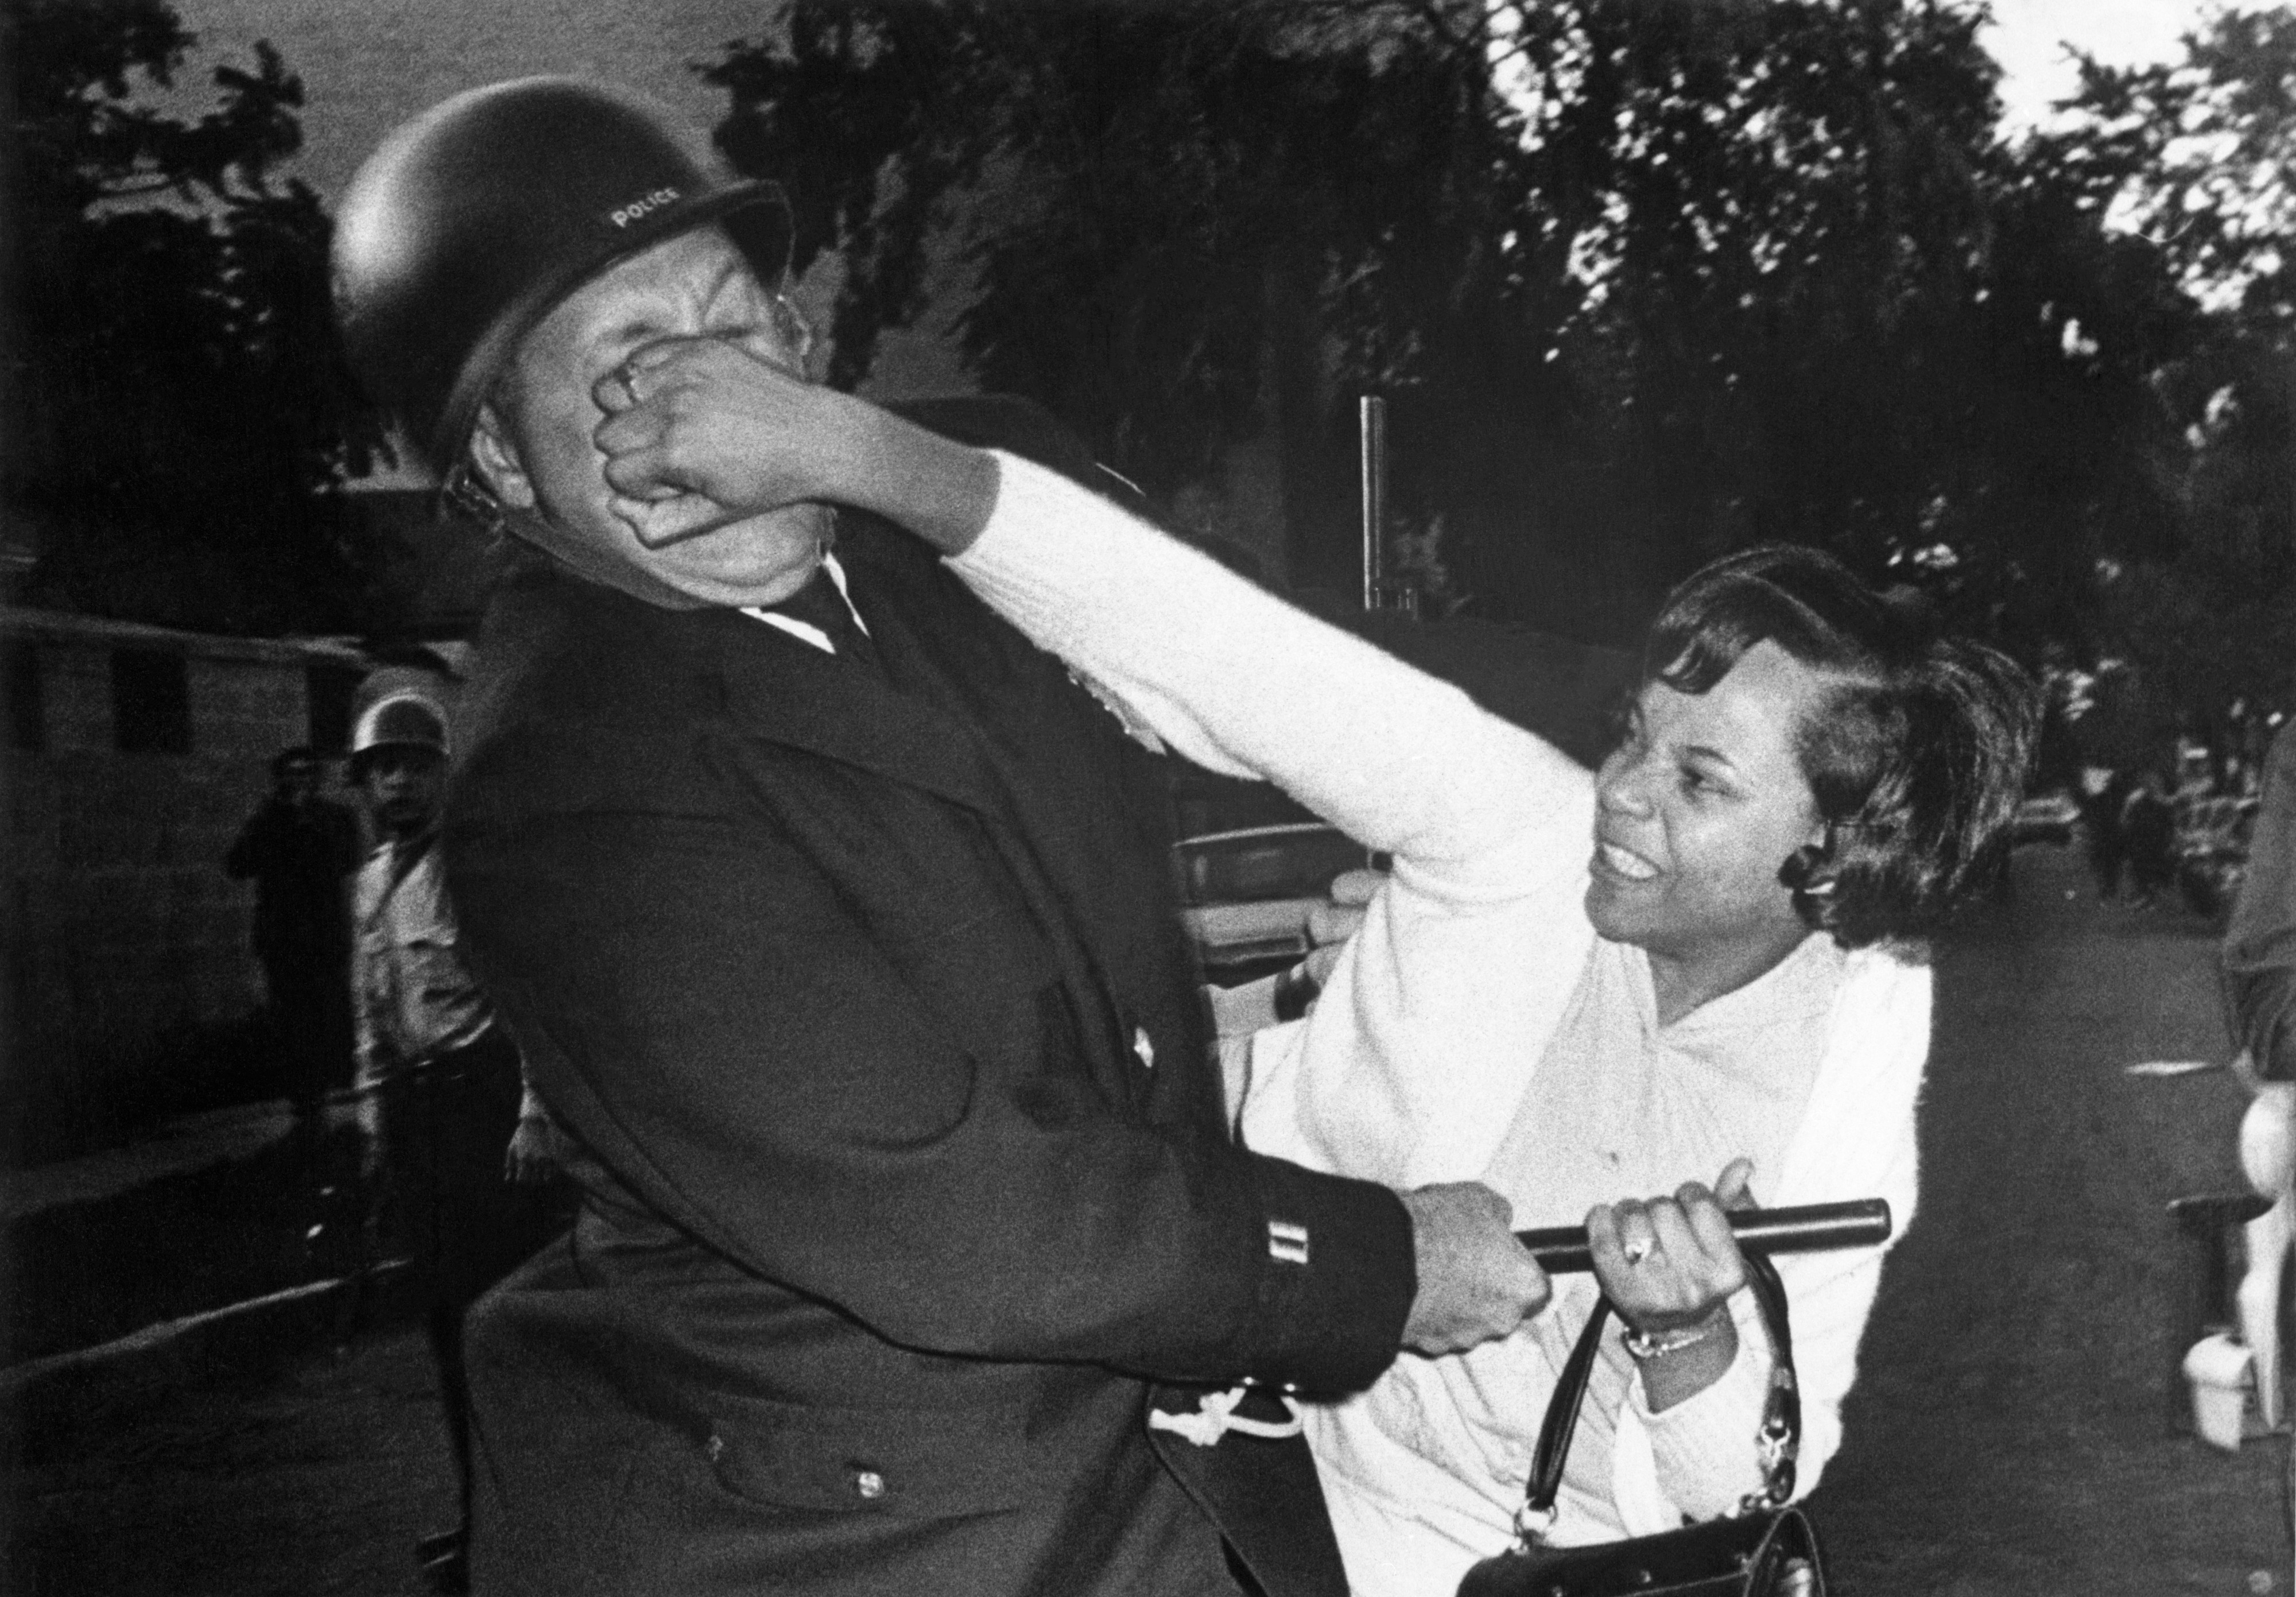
(2008,1435)
(179,1147)
(310,1482)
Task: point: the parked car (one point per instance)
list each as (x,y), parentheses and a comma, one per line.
(2045,818)
(1247,893)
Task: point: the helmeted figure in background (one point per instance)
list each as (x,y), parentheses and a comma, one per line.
(838,927)
(300,848)
(459,1146)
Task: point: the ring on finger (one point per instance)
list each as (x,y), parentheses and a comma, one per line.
(1636,1251)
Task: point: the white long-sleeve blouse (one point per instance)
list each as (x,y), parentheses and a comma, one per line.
(1433,1054)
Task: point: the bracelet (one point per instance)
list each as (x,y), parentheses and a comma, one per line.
(1644,1346)
(1295,990)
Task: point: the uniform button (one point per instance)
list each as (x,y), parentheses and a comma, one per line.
(869,1483)
(1143,1048)
(714,1448)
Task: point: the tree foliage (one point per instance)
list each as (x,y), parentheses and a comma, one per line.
(179,409)
(1158,202)
(1643,280)
(1748,238)
(2190,160)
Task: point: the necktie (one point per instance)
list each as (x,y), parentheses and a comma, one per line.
(819,605)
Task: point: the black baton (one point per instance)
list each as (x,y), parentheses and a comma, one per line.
(1812,1228)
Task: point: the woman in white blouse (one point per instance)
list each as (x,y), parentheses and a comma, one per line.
(1702,963)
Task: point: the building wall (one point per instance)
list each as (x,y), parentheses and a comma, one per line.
(124,941)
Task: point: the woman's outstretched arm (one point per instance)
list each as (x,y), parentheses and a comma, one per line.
(1242,682)
(1413,1062)
(698,434)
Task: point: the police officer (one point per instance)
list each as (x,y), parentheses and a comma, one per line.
(838,928)
(455,1143)
(298,848)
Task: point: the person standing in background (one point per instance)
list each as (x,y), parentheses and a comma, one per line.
(2148,827)
(460,1147)
(2102,791)
(298,848)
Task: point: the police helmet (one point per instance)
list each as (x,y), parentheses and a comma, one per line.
(470,222)
(402,719)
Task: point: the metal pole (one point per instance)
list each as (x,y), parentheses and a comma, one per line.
(1370,419)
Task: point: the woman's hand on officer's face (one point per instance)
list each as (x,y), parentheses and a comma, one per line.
(700,432)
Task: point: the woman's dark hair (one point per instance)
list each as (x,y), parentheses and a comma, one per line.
(1917,756)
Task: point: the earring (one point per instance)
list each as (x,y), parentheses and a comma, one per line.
(1807,872)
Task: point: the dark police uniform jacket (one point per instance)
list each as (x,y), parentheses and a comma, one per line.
(866,996)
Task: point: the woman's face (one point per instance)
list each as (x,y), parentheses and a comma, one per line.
(1697,810)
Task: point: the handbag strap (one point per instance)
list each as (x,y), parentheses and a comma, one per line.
(1778,1441)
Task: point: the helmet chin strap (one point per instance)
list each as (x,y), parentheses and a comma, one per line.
(529,528)
(524,530)
(464,494)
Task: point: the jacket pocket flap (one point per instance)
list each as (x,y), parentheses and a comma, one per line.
(907,1463)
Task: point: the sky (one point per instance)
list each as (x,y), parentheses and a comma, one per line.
(2028,35)
(367,65)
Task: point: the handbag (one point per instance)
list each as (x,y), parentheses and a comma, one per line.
(1766,1549)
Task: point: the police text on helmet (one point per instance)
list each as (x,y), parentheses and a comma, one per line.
(637,208)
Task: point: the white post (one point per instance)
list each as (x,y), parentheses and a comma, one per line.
(1371,422)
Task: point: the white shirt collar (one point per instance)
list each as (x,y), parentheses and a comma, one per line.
(803,631)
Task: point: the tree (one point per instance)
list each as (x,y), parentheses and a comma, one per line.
(1643,280)
(179,411)
(1745,237)
(1160,203)
(2189,161)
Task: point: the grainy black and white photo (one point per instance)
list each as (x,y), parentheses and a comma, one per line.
(1148,798)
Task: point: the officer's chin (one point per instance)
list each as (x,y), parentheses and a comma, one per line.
(761,560)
